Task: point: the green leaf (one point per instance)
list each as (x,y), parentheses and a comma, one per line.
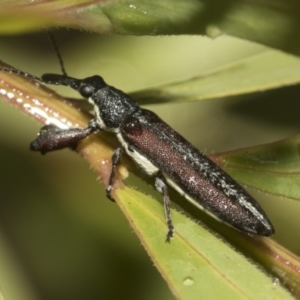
(260,72)
(269,22)
(273,168)
(196,262)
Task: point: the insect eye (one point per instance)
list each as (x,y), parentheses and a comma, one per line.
(86,91)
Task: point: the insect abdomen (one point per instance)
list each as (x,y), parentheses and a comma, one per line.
(194,174)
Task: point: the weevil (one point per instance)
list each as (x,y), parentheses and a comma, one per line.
(158,150)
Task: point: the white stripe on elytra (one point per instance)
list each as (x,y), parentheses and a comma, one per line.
(217,177)
(140,159)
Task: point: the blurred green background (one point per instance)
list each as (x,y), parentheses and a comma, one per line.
(60,238)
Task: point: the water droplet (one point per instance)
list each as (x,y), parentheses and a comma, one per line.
(188,281)
(213,31)
(276,281)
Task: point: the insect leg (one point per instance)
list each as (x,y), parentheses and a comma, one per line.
(161,186)
(52,138)
(115,161)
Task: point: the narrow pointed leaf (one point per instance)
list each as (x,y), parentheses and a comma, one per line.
(273,168)
(196,263)
(269,22)
(267,70)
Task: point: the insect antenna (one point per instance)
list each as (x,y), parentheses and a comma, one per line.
(56,49)
(21,73)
